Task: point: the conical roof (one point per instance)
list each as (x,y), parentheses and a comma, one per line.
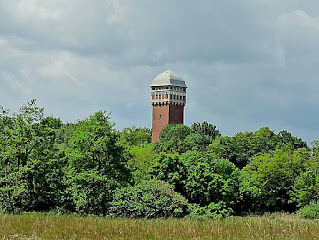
(168,78)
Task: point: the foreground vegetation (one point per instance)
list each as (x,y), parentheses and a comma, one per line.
(90,168)
(40,226)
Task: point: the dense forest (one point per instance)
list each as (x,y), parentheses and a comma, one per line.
(89,167)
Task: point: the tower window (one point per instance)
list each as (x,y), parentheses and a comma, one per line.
(160,117)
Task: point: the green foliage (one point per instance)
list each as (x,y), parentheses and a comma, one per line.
(198,142)
(285,138)
(94,145)
(209,179)
(240,148)
(141,159)
(96,164)
(178,138)
(315,151)
(172,139)
(206,129)
(306,187)
(32,176)
(268,179)
(169,168)
(133,136)
(87,167)
(310,211)
(46,165)
(199,177)
(31,113)
(213,210)
(90,191)
(148,199)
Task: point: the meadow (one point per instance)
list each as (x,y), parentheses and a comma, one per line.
(51,226)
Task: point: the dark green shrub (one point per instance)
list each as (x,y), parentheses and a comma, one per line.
(213,210)
(267,181)
(149,199)
(169,168)
(310,211)
(209,179)
(199,177)
(306,187)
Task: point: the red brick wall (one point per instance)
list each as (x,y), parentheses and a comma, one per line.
(163,115)
(176,114)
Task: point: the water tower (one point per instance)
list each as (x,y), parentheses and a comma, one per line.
(168,98)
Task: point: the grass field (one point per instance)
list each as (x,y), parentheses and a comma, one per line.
(48,226)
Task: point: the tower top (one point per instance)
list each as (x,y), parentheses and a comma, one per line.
(168,78)
(168,88)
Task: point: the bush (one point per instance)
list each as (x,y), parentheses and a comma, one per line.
(310,211)
(199,177)
(209,179)
(267,181)
(306,187)
(149,199)
(213,210)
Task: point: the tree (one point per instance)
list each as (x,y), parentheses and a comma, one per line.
(286,137)
(141,159)
(205,128)
(198,142)
(209,179)
(133,136)
(199,177)
(169,168)
(243,146)
(96,164)
(306,187)
(172,139)
(266,182)
(31,176)
(31,113)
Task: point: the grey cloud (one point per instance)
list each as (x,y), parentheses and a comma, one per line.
(247,63)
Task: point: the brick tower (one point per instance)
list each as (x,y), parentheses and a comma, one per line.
(168,97)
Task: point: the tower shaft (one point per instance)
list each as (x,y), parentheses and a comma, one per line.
(163,115)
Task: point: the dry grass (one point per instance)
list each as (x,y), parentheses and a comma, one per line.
(41,226)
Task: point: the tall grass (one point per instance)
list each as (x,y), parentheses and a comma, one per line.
(46,226)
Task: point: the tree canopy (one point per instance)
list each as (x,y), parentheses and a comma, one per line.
(90,167)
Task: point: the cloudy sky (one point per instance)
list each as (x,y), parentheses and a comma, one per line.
(248,63)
